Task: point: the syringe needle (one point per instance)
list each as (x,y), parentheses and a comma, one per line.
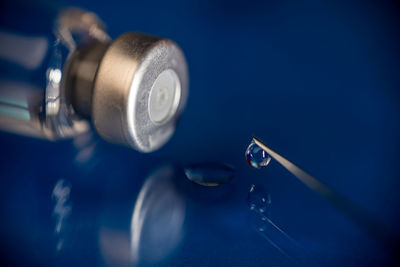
(358,215)
(296,171)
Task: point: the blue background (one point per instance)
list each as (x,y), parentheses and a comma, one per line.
(318,81)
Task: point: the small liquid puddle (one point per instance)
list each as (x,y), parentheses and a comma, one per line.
(209,173)
(257,157)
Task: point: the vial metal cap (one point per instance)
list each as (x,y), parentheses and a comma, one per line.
(139,91)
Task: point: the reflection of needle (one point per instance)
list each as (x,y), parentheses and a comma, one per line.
(355,213)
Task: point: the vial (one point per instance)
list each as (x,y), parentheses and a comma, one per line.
(63,73)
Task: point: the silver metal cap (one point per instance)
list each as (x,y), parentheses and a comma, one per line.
(140,89)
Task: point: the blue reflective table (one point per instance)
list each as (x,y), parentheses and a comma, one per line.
(317,82)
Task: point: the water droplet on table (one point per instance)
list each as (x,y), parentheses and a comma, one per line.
(256,156)
(258,200)
(210,173)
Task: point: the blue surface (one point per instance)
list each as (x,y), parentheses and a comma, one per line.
(317,81)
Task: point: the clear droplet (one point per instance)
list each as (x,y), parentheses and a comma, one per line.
(209,173)
(256,156)
(258,200)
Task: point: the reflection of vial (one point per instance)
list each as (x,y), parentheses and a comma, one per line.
(133,88)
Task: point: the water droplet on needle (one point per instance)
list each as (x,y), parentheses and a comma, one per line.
(256,156)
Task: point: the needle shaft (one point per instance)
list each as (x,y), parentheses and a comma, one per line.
(355,213)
